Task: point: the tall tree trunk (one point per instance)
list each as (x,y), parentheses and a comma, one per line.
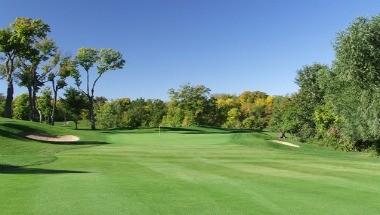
(76,124)
(9,99)
(91,112)
(40,114)
(34,103)
(54,106)
(31,118)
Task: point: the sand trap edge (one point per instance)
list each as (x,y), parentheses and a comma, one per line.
(63,138)
(285,143)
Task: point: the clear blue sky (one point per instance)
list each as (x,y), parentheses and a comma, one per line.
(228,45)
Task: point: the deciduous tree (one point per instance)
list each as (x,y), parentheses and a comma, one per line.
(105,60)
(17,41)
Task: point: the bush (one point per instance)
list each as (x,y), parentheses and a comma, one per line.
(254,122)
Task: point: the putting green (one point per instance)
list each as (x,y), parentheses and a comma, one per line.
(181,171)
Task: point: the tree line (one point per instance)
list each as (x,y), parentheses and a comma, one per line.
(337,104)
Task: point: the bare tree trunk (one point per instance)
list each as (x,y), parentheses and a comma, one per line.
(40,114)
(64,118)
(9,99)
(31,117)
(54,107)
(34,103)
(91,112)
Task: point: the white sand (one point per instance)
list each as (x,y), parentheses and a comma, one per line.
(286,143)
(64,138)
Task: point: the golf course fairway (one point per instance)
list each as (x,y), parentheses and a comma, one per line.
(179,171)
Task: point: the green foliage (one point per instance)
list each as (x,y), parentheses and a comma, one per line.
(356,90)
(326,121)
(357,53)
(233,119)
(87,57)
(310,96)
(224,103)
(110,59)
(284,117)
(44,104)
(254,122)
(107,117)
(156,110)
(24,41)
(111,114)
(136,115)
(193,102)
(73,103)
(174,117)
(131,114)
(105,60)
(21,107)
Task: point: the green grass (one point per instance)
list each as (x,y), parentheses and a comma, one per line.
(181,171)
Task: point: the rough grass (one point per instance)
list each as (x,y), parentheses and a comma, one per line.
(181,171)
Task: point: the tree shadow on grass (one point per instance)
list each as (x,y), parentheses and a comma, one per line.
(18,129)
(10,169)
(75,143)
(179,130)
(7,134)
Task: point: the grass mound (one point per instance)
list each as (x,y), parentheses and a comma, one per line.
(17,150)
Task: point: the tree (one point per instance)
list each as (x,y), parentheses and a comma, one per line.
(44,104)
(57,77)
(192,101)
(106,60)
(284,118)
(310,80)
(28,75)
(16,41)
(233,119)
(111,114)
(9,46)
(135,114)
(74,102)
(174,115)
(247,101)
(256,119)
(156,110)
(355,93)
(20,107)
(224,103)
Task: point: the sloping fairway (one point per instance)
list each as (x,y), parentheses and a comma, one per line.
(181,171)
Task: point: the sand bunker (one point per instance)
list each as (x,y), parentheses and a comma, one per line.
(286,143)
(64,138)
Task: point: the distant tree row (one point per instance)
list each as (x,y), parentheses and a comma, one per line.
(189,106)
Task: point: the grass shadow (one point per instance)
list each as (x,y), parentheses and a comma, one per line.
(179,130)
(10,169)
(7,134)
(76,143)
(18,129)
